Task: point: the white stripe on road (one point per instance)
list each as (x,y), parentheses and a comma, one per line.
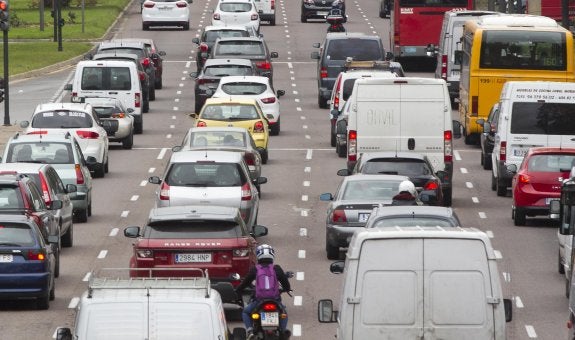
(125,213)
(489,233)
(475,199)
(162,153)
(114,232)
(498,254)
(307,169)
(151,170)
(303,232)
(309,154)
(74,302)
(87,277)
(463,170)
(304,213)
(506,277)
(299,276)
(518,302)
(296,331)
(482,214)
(134,198)
(304,198)
(457,155)
(530,331)
(297,300)
(306,183)
(102,254)
(301,254)
(143,183)
(469,185)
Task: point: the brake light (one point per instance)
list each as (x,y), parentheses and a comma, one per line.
(264,65)
(216,16)
(38,132)
(36,255)
(250,159)
(74,94)
(523,178)
(45,191)
(269,100)
(474,105)
(273,4)
(181,4)
(259,127)
(83,134)
(431,185)
(336,97)
(142,76)
(201,81)
(118,115)
(144,253)
(323,72)
(149,4)
(79,174)
(338,216)
(204,47)
(269,307)
(146,62)
(246,192)
(201,123)
(503,151)
(137,100)
(447,147)
(352,145)
(164,192)
(444,66)
(254,17)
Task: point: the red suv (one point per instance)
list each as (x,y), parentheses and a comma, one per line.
(206,237)
(539,180)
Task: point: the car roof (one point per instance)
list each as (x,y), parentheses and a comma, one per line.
(190,156)
(231,100)
(231,61)
(414,210)
(85,107)
(121,43)
(14,218)
(37,138)
(246,79)
(379,177)
(347,35)
(248,1)
(193,212)
(143,40)
(366,156)
(23,167)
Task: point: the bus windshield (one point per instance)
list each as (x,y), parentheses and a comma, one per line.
(523,49)
(433,3)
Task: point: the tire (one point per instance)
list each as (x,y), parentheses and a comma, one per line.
(90,209)
(100,171)
(519,217)
(322,103)
(332,140)
(57,266)
(273,21)
(275,130)
(381,13)
(81,215)
(138,127)
(303,18)
(482,158)
(152,95)
(493,182)
(43,302)
(146,106)
(239,333)
(145,27)
(560,266)
(486,161)
(198,106)
(264,154)
(501,188)
(469,140)
(107,165)
(447,197)
(128,142)
(186,26)
(159,83)
(331,251)
(567,288)
(341,151)
(68,237)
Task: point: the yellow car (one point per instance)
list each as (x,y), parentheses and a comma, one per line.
(238,112)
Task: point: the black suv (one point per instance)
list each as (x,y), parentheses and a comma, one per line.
(334,52)
(318,9)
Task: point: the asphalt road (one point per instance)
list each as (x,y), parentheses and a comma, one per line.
(302,165)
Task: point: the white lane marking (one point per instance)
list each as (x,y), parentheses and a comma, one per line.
(298,108)
(303,213)
(294,92)
(114,232)
(296,100)
(74,303)
(304,127)
(177,100)
(143,183)
(299,276)
(303,232)
(530,331)
(518,302)
(125,213)
(187,66)
(482,214)
(134,198)
(293,84)
(309,154)
(151,170)
(169,135)
(469,185)
(175,108)
(463,170)
(102,254)
(173,117)
(475,199)
(506,277)
(162,153)
(304,198)
(297,300)
(178,92)
(172,126)
(307,137)
(301,254)
(307,169)
(181,85)
(498,254)
(306,183)
(87,277)
(296,329)
(457,155)
(290,65)
(489,234)
(302,117)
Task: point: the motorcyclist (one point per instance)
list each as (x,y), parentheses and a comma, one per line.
(407,194)
(265,255)
(336,18)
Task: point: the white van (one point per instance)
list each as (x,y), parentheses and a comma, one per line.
(532,114)
(403,114)
(110,78)
(448,67)
(419,283)
(116,308)
(267,10)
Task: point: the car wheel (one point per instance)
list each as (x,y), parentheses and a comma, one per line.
(501,187)
(100,170)
(482,158)
(198,106)
(145,27)
(159,83)
(303,17)
(381,11)
(341,150)
(493,182)
(447,197)
(519,216)
(187,26)
(81,215)
(128,142)
(146,106)
(57,266)
(320,102)
(152,93)
(90,209)
(264,154)
(567,287)
(43,302)
(68,237)
(560,266)
(107,165)
(52,294)
(275,130)
(138,127)
(486,161)
(331,251)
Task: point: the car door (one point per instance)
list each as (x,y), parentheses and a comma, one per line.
(61,194)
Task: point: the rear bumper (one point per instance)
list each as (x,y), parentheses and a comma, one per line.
(14,286)
(339,236)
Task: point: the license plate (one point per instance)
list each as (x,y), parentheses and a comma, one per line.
(519,152)
(362,217)
(455,73)
(410,49)
(270,318)
(323,13)
(4,258)
(188,258)
(165,8)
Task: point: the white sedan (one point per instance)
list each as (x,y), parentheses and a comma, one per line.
(237,13)
(254,87)
(166,13)
(109,108)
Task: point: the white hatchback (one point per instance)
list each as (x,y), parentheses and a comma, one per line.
(82,121)
(237,13)
(166,13)
(254,87)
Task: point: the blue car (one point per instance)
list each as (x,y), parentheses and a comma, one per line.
(27,260)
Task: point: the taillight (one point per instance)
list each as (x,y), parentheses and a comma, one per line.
(431,185)
(216,16)
(338,216)
(146,62)
(181,4)
(269,307)
(444,66)
(36,255)
(45,191)
(201,123)
(503,151)
(264,65)
(142,76)
(523,178)
(137,100)
(447,147)
(474,105)
(250,159)
(269,100)
(74,94)
(241,252)
(83,134)
(201,81)
(79,174)
(246,192)
(38,132)
(273,4)
(204,47)
(323,72)
(254,17)
(259,127)
(144,253)
(352,145)
(336,97)
(149,4)
(164,192)
(118,115)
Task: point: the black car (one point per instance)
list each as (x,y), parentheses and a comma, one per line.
(253,48)
(214,69)
(338,48)
(209,36)
(487,137)
(319,9)
(413,216)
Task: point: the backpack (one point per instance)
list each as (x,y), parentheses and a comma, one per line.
(267,285)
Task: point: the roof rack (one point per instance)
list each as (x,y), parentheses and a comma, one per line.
(100,281)
(350,64)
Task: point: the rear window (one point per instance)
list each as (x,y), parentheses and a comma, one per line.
(358,49)
(244,88)
(551,163)
(62,119)
(236,7)
(212,36)
(396,166)
(218,139)
(414,222)
(229,112)
(106,111)
(369,189)
(106,78)
(228,70)
(240,48)
(16,235)
(45,152)
(206,174)
(542,118)
(193,230)
(11,197)
(348,87)
(124,49)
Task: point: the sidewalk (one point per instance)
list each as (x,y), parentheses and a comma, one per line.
(5,133)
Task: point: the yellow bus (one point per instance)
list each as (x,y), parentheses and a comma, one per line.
(499,48)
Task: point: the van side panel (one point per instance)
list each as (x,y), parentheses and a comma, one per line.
(169,319)
(389,286)
(458,285)
(106,321)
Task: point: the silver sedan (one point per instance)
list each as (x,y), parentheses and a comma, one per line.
(109,108)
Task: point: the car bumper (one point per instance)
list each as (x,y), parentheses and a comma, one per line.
(172,19)
(14,286)
(325,92)
(267,16)
(312,11)
(339,236)
(528,198)
(261,140)
(79,200)
(125,127)
(273,110)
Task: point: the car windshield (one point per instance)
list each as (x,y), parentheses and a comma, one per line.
(10,197)
(396,166)
(193,229)
(244,88)
(41,152)
(123,49)
(218,139)
(106,111)
(236,7)
(12,234)
(240,48)
(62,119)
(208,174)
(212,36)
(551,163)
(358,49)
(229,112)
(227,70)
(409,221)
(369,190)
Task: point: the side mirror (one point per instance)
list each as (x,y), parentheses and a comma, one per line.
(261,180)
(193,115)
(132,232)
(130,110)
(63,333)
(190,1)
(193,75)
(389,56)
(91,161)
(325,312)
(177,148)
(71,188)
(154,180)
(337,267)
(456,130)
(431,50)
(512,168)
(274,55)
(88,56)
(428,197)
(316,45)
(458,56)
(68,87)
(555,209)
(343,172)
(259,230)
(269,116)
(480,121)
(508,306)
(341,127)
(24,124)
(53,239)
(326,197)
(280,93)
(442,175)
(162,53)
(315,55)
(56,204)
(335,113)
(209,92)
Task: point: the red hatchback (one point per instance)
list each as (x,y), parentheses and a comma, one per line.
(207,237)
(538,181)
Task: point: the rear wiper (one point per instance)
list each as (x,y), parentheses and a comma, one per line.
(195,185)
(389,172)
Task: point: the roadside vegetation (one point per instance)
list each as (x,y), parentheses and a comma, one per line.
(32,48)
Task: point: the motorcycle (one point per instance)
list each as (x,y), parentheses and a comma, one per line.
(336,18)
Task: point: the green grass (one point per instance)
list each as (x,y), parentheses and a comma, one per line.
(25,24)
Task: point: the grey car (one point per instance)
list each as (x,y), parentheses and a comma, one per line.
(352,204)
(209,178)
(109,108)
(63,152)
(413,216)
